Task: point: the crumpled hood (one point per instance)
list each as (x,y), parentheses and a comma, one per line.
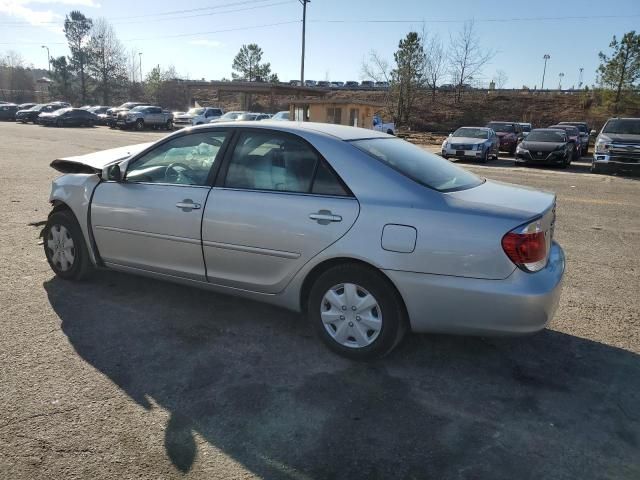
(95,162)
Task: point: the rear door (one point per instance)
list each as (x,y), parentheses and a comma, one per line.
(151,220)
(275,206)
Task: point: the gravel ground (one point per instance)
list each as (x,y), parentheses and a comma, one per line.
(123,377)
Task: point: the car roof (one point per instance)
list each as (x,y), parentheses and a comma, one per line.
(341,132)
(479,128)
(548,130)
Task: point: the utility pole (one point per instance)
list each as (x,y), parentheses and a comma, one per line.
(48,58)
(140,55)
(304,26)
(546,57)
(560,75)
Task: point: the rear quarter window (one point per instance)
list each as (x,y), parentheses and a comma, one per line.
(423,167)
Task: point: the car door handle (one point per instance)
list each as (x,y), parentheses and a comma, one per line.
(324,217)
(187,205)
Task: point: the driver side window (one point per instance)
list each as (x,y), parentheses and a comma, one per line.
(186,160)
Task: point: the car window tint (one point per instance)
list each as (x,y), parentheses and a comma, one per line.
(270,161)
(326,182)
(185,160)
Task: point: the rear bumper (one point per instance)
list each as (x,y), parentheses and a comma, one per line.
(520,304)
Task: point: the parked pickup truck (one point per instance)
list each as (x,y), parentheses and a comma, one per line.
(379,125)
(145,116)
(197,116)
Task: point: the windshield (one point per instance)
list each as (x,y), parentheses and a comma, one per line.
(62,110)
(502,127)
(38,107)
(545,136)
(281,116)
(419,165)
(247,116)
(138,109)
(525,128)
(625,126)
(581,128)
(471,133)
(571,131)
(230,116)
(196,111)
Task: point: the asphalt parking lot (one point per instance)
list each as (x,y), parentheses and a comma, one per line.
(123,377)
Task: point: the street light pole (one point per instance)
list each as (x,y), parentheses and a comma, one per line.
(546,57)
(304,26)
(48,58)
(140,55)
(560,75)
(580,78)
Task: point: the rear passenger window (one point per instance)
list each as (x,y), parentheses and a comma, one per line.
(327,183)
(270,161)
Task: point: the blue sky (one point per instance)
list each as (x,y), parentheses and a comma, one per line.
(202,39)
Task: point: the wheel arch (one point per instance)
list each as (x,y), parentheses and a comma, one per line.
(325,265)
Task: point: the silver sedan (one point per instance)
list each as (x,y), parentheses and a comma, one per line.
(368,235)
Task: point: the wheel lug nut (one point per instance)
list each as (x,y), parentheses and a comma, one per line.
(353,308)
(344,307)
(358,318)
(351,324)
(341,317)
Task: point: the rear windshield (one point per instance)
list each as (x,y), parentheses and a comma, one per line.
(471,133)
(581,128)
(546,136)
(623,126)
(419,165)
(502,127)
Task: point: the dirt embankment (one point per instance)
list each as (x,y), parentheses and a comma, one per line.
(477,107)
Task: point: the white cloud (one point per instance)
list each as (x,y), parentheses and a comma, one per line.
(203,42)
(20,9)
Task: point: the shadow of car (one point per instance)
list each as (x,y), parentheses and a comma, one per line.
(250,381)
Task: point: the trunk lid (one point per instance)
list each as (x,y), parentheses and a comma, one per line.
(504,200)
(95,162)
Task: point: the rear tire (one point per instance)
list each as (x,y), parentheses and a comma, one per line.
(485,157)
(169,125)
(64,246)
(139,124)
(366,321)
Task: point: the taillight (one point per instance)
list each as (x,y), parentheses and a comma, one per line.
(526,246)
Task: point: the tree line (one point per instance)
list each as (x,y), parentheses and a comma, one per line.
(422,62)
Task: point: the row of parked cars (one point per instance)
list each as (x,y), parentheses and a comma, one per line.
(129,115)
(351,84)
(616,147)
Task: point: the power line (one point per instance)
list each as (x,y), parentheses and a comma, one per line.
(167,15)
(480,20)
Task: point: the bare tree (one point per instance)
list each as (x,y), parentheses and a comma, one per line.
(133,65)
(500,79)
(107,60)
(375,67)
(466,57)
(435,63)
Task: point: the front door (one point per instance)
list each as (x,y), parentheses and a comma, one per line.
(151,220)
(277,206)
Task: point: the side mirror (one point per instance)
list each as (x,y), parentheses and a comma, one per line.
(112,173)
(593,133)
(451,134)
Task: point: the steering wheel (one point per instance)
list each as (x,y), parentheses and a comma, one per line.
(174,170)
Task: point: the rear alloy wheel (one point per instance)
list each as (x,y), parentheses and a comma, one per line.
(356,312)
(139,124)
(64,246)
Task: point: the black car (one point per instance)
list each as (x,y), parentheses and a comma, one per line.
(8,111)
(585,133)
(68,117)
(32,114)
(545,146)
